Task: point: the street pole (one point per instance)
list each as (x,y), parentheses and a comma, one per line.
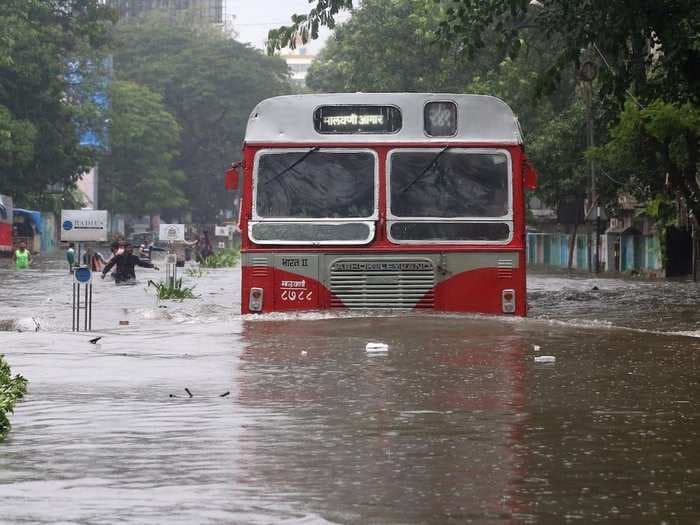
(587,73)
(588,94)
(694,255)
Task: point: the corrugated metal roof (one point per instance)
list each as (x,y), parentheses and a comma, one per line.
(289,119)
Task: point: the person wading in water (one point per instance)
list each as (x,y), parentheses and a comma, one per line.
(70,257)
(125,263)
(22,257)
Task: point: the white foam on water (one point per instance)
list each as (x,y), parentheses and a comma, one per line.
(377,348)
(320,315)
(685,333)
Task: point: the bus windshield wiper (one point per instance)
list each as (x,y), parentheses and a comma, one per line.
(292,165)
(427,168)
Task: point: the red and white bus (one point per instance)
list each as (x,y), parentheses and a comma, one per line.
(5,225)
(383,200)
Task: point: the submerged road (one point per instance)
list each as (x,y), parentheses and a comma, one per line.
(456,423)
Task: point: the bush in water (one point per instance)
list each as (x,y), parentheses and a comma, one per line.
(222,259)
(172,290)
(11,390)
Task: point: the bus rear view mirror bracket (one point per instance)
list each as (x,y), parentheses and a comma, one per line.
(232,177)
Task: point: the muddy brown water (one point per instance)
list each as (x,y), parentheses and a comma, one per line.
(456,423)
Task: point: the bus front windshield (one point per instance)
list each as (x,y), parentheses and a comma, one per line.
(315,184)
(449,184)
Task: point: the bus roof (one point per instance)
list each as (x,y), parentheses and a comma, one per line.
(290,119)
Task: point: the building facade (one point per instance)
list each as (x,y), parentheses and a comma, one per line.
(207,10)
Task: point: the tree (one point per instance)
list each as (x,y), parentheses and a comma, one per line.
(369,52)
(306,26)
(38,141)
(651,45)
(138,175)
(656,149)
(16,141)
(209,83)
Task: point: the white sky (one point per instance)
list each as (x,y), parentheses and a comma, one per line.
(254,18)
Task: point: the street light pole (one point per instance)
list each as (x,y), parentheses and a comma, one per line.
(587,73)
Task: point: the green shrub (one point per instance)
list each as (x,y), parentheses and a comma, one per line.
(222,259)
(11,390)
(172,290)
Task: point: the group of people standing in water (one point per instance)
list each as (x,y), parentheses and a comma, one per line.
(122,259)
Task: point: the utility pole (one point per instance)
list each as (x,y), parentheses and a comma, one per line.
(587,73)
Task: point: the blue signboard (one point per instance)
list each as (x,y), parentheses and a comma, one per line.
(87,84)
(83,275)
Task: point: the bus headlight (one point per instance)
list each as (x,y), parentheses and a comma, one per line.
(255,299)
(508,301)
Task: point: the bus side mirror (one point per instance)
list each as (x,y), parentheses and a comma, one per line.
(231,179)
(529,175)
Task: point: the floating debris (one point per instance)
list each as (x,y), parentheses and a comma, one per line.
(304,353)
(94,341)
(377,348)
(536,348)
(26,324)
(225,394)
(188,392)
(545,359)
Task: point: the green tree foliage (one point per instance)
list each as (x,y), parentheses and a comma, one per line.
(17,139)
(12,389)
(656,149)
(38,141)
(137,176)
(306,26)
(559,146)
(369,52)
(209,83)
(652,46)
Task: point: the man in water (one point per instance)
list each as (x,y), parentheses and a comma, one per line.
(125,262)
(70,256)
(22,257)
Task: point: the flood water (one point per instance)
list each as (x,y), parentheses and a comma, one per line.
(456,423)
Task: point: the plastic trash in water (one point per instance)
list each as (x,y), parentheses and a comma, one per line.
(304,353)
(536,348)
(377,348)
(545,359)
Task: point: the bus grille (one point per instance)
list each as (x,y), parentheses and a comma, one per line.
(382,284)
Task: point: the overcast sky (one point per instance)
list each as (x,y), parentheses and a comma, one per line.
(254,18)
